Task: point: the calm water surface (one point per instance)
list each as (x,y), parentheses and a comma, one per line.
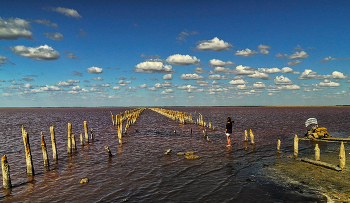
(140,172)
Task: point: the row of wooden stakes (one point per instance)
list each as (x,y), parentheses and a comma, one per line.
(29,162)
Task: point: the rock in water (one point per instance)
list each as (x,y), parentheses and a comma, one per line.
(84,180)
(192,156)
(189,153)
(180,154)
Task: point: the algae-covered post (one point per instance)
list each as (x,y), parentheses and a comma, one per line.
(53,141)
(296,140)
(29,161)
(252,137)
(279,146)
(317,153)
(92,135)
(69,147)
(5,173)
(108,151)
(120,131)
(43,147)
(112,119)
(74,146)
(81,139)
(86,132)
(245,136)
(342,156)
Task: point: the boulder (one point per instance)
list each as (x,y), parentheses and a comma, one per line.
(192,156)
(84,180)
(180,154)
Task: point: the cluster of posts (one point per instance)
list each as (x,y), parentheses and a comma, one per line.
(29,162)
(251,136)
(317,161)
(201,122)
(130,117)
(175,115)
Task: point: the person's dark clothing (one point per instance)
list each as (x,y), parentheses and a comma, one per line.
(229,127)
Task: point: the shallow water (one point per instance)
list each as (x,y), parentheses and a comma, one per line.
(140,172)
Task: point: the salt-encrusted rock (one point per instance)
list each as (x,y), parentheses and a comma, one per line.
(84,180)
(192,156)
(168,151)
(180,154)
(189,153)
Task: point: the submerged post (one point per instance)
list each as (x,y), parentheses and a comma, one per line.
(245,136)
(43,147)
(92,135)
(279,146)
(252,137)
(342,156)
(81,139)
(29,161)
(5,173)
(317,153)
(74,146)
(108,151)
(53,141)
(69,147)
(296,140)
(86,132)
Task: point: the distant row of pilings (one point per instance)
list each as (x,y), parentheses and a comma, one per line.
(71,145)
(130,116)
(183,117)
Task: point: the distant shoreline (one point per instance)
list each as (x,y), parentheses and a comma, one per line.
(175,106)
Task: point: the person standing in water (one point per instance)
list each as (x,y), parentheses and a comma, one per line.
(228,131)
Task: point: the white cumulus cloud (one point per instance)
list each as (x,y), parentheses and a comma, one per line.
(153,67)
(54,35)
(244,70)
(264,49)
(217,62)
(67,11)
(247,52)
(14,28)
(40,53)
(281,80)
(199,70)
(167,77)
(181,60)
(95,70)
(191,77)
(298,55)
(237,82)
(213,45)
(260,75)
(259,85)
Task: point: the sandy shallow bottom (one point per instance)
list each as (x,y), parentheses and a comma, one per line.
(309,178)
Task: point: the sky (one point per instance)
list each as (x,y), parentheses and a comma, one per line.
(174,53)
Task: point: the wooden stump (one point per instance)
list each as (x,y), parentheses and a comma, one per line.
(5,173)
(86,132)
(245,136)
(108,151)
(53,141)
(296,151)
(279,146)
(69,146)
(29,161)
(81,139)
(252,137)
(112,119)
(74,146)
(92,135)
(43,147)
(317,153)
(342,156)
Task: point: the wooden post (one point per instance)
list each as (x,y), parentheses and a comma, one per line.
(92,134)
(317,153)
(81,139)
(69,147)
(53,141)
(74,146)
(112,119)
(279,146)
(5,173)
(342,156)
(296,140)
(245,136)
(120,131)
(43,147)
(86,132)
(252,137)
(191,130)
(108,151)
(29,161)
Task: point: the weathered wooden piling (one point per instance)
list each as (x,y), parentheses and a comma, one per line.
(81,139)
(245,136)
(53,141)
(252,137)
(43,147)
(91,135)
(317,153)
(29,161)
(120,131)
(112,119)
(279,146)
(108,151)
(86,132)
(69,146)
(74,146)
(342,156)
(5,173)
(296,151)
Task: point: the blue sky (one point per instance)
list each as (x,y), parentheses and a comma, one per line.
(170,53)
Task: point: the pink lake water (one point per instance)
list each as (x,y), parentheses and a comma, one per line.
(140,172)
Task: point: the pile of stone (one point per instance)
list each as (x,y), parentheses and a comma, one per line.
(317,133)
(187,155)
